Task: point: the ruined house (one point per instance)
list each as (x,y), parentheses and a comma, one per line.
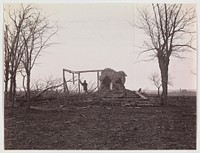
(112,80)
(112,86)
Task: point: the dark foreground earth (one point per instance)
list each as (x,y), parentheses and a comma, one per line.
(104,127)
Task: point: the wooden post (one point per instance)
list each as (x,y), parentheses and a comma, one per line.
(64,82)
(79,88)
(73,77)
(78,72)
(66,87)
(98,80)
(98,86)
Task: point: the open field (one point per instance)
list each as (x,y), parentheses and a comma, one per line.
(104,127)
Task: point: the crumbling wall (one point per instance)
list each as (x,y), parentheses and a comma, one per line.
(112,80)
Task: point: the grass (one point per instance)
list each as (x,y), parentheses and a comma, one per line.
(104,127)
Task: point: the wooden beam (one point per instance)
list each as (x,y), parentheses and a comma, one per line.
(70,71)
(85,71)
(89,71)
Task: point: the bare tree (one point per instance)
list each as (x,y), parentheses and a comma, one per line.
(26,34)
(155,78)
(36,38)
(14,47)
(156,81)
(170,29)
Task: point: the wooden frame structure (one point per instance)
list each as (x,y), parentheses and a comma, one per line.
(79,75)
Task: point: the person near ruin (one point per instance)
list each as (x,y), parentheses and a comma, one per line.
(84,84)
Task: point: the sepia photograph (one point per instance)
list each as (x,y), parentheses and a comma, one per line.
(99,76)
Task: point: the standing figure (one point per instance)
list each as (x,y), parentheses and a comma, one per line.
(84,84)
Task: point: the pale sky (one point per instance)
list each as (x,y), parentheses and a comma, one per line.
(98,36)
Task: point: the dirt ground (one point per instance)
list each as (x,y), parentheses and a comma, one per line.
(104,127)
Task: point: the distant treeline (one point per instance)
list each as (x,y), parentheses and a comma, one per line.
(181,92)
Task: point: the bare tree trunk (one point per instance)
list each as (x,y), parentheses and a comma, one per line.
(6,61)
(164,92)
(28,90)
(163,65)
(164,75)
(11,95)
(23,83)
(12,92)
(6,82)
(159,91)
